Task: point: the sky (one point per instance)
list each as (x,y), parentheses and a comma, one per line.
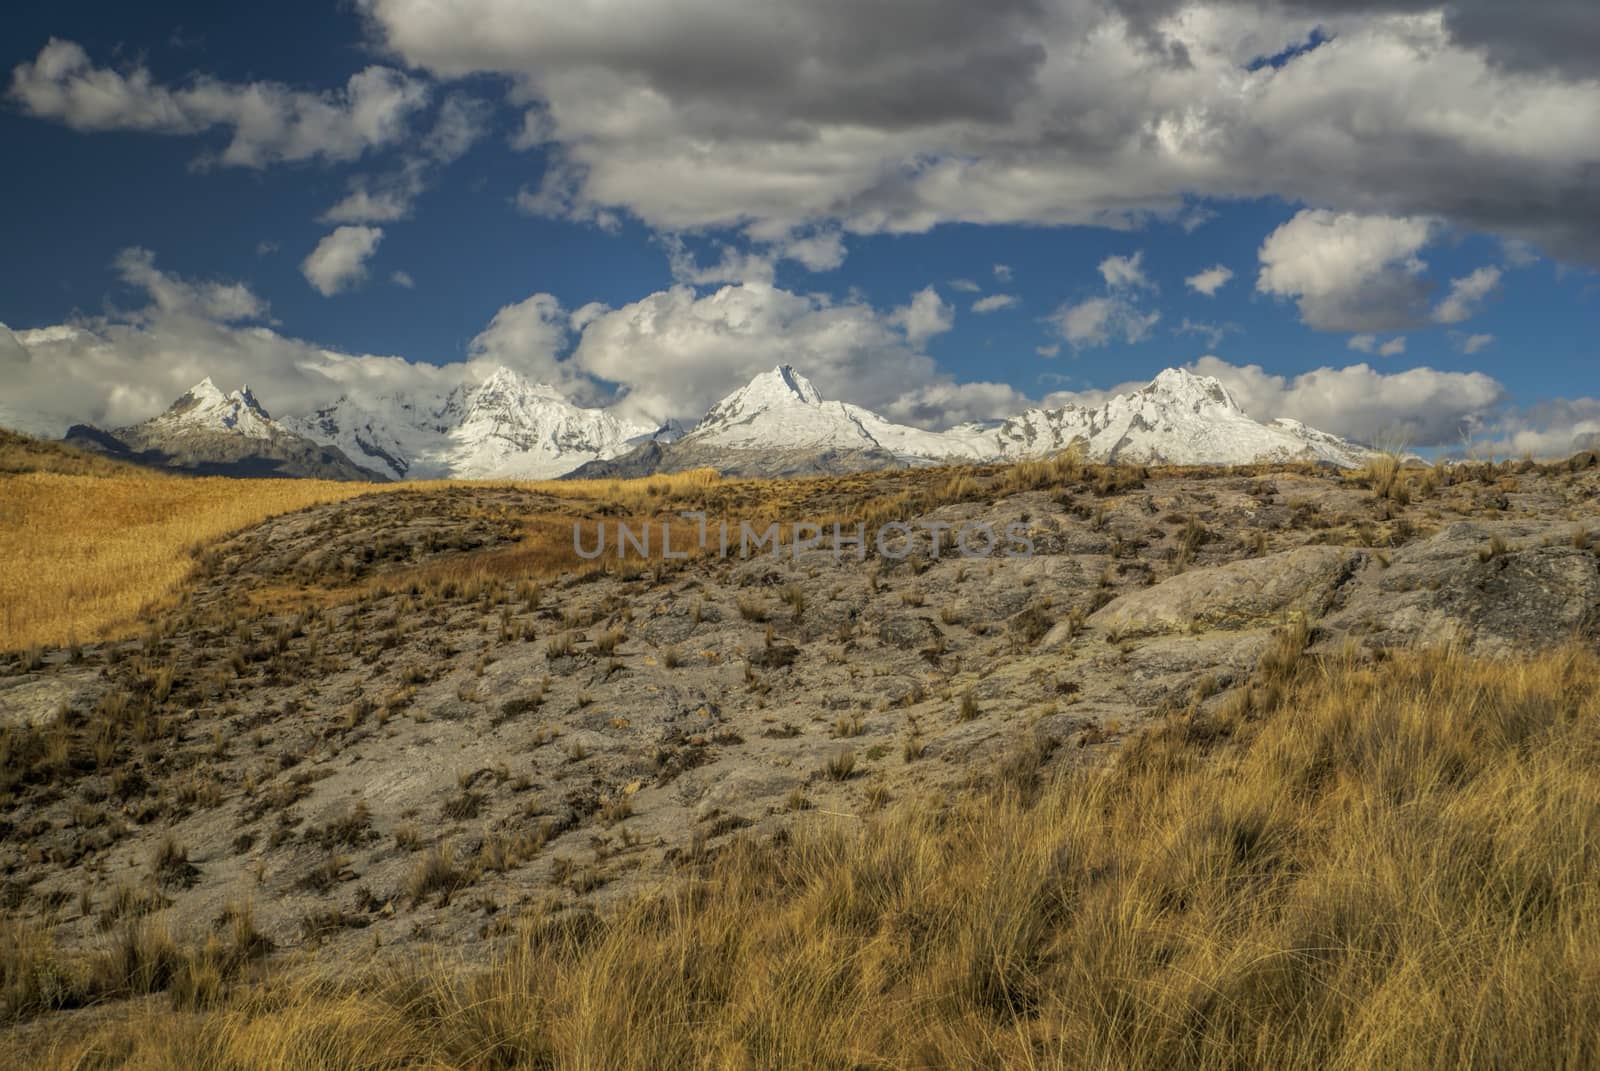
(1381,217)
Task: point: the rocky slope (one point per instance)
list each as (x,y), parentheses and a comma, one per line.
(207,432)
(549,744)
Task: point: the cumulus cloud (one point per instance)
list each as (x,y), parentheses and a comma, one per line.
(384,198)
(531,337)
(674,353)
(170,294)
(340,260)
(1553,429)
(891,117)
(1471,344)
(1421,406)
(1101,320)
(269,122)
(1461,304)
(994,303)
(126,366)
(965,286)
(1003,273)
(1211,280)
(1125,272)
(1212,333)
(927,315)
(403,279)
(1349,272)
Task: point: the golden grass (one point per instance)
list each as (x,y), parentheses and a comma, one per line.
(85,557)
(1398,868)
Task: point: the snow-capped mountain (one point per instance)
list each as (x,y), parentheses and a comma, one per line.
(1179,418)
(779,424)
(208,432)
(504,427)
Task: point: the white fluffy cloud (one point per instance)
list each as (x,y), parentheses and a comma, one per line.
(1368,343)
(1211,280)
(1552,430)
(340,260)
(1471,344)
(1420,406)
(897,117)
(1349,272)
(269,122)
(1461,304)
(994,303)
(674,352)
(927,315)
(125,367)
(1101,320)
(1125,272)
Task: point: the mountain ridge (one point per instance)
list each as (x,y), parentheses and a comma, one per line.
(503,426)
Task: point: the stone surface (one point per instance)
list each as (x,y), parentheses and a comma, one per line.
(1233,596)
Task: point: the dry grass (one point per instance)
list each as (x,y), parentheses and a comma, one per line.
(84,557)
(1402,869)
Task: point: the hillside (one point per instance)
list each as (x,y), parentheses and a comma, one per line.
(1114,796)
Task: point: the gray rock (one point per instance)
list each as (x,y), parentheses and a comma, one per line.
(1450,588)
(1232,596)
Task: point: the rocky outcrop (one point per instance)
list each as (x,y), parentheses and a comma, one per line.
(1238,595)
(1497,588)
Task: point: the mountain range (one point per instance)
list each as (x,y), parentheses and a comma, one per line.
(778,424)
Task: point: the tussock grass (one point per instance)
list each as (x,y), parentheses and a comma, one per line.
(84,556)
(1394,865)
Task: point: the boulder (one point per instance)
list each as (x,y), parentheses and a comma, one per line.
(1239,595)
(1532,590)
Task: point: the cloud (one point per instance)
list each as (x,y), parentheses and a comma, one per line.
(1002,272)
(1052,350)
(1101,320)
(965,286)
(170,294)
(927,315)
(461,121)
(340,260)
(1365,342)
(1421,406)
(1393,348)
(1211,280)
(530,337)
(1551,429)
(1212,333)
(403,279)
(1471,344)
(366,205)
(994,303)
(1349,272)
(126,366)
(1125,273)
(674,353)
(891,117)
(1461,304)
(269,123)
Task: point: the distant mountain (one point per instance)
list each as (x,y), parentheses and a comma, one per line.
(504,427)
(207,432)
(778,424)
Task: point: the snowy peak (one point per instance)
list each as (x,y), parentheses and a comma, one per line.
(1181,387)
(204,408)
(502,426)
(780,388)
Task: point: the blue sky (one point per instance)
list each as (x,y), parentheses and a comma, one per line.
(1096,180)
